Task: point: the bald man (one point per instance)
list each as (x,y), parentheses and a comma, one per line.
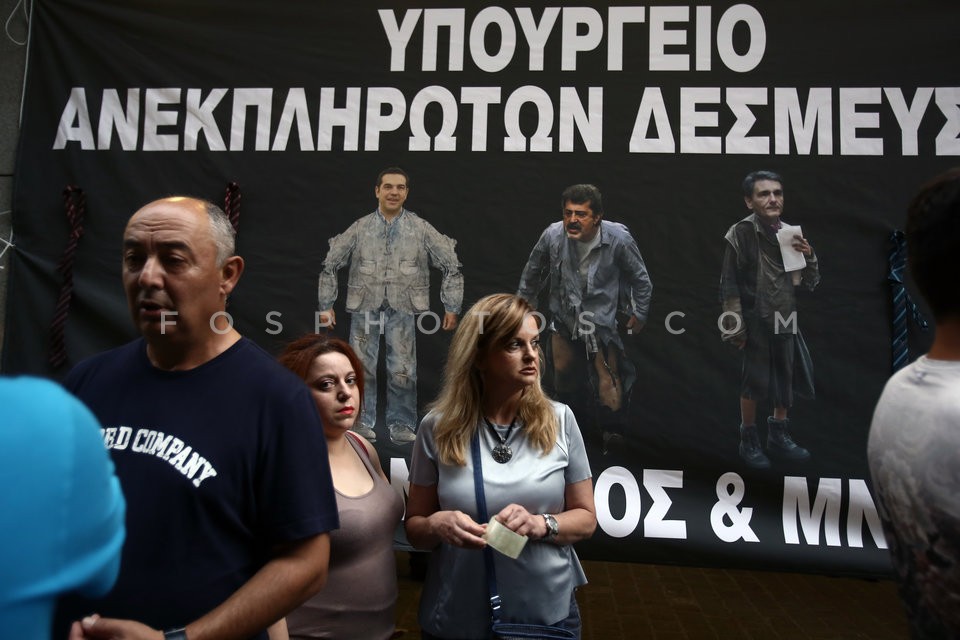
(219,450)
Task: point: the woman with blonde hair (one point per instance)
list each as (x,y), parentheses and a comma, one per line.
(536,481)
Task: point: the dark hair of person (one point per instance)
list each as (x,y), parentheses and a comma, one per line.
(933,243)
(298,356)
(390,170)
(586,194)
(755,176)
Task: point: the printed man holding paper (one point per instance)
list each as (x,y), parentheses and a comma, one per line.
(764,261)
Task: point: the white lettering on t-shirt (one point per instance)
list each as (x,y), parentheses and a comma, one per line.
(177,453)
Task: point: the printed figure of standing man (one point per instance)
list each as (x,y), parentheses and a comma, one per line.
(758,296)
(594,271)
(390,252)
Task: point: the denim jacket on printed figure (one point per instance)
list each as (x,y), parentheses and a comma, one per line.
(390,262)
(617,280)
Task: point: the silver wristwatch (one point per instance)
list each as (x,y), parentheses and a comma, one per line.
(553,527)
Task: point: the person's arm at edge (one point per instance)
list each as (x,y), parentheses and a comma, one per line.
(631,263)
(810,275)
(298,571)
(730,302)
(278,630)
(339,253)
(442,254)
(579,520)
(422,502)
(534,276)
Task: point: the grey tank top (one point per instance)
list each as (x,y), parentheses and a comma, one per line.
(360,596)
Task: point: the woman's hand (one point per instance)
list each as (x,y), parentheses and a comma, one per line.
(427,526)
(576,522)
(516,518)
(457,529)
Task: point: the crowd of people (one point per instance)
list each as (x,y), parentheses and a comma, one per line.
(234,497)
(237,497)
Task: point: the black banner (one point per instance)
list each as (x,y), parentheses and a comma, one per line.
(494,111)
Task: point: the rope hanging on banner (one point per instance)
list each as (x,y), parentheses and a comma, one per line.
(74,204)
(901,303)
(231,204)
(27,10)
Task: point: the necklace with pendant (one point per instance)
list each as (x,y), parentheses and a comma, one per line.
(502,452)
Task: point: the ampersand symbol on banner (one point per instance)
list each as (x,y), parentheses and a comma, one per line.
(730,490)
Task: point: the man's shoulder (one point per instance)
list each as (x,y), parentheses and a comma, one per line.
(748,223)
(116,361)
(118,353)
(249,360)
(365,219)
(741,228)
(617,230)
(414,219)
(900,391)
(421,226)
(128,364)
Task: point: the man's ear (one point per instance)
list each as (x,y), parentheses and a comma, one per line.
(230,274)
(747,201)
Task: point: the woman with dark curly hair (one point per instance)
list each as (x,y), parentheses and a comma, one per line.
(360,597)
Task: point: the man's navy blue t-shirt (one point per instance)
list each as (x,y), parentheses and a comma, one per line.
(218,465)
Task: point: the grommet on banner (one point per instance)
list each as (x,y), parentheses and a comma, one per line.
(74,204)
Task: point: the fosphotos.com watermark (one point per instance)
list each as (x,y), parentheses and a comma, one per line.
(729,323)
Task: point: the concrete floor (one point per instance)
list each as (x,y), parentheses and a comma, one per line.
(687,603)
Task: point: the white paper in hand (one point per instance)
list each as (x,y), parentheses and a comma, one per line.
(507,542)
(793,260)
